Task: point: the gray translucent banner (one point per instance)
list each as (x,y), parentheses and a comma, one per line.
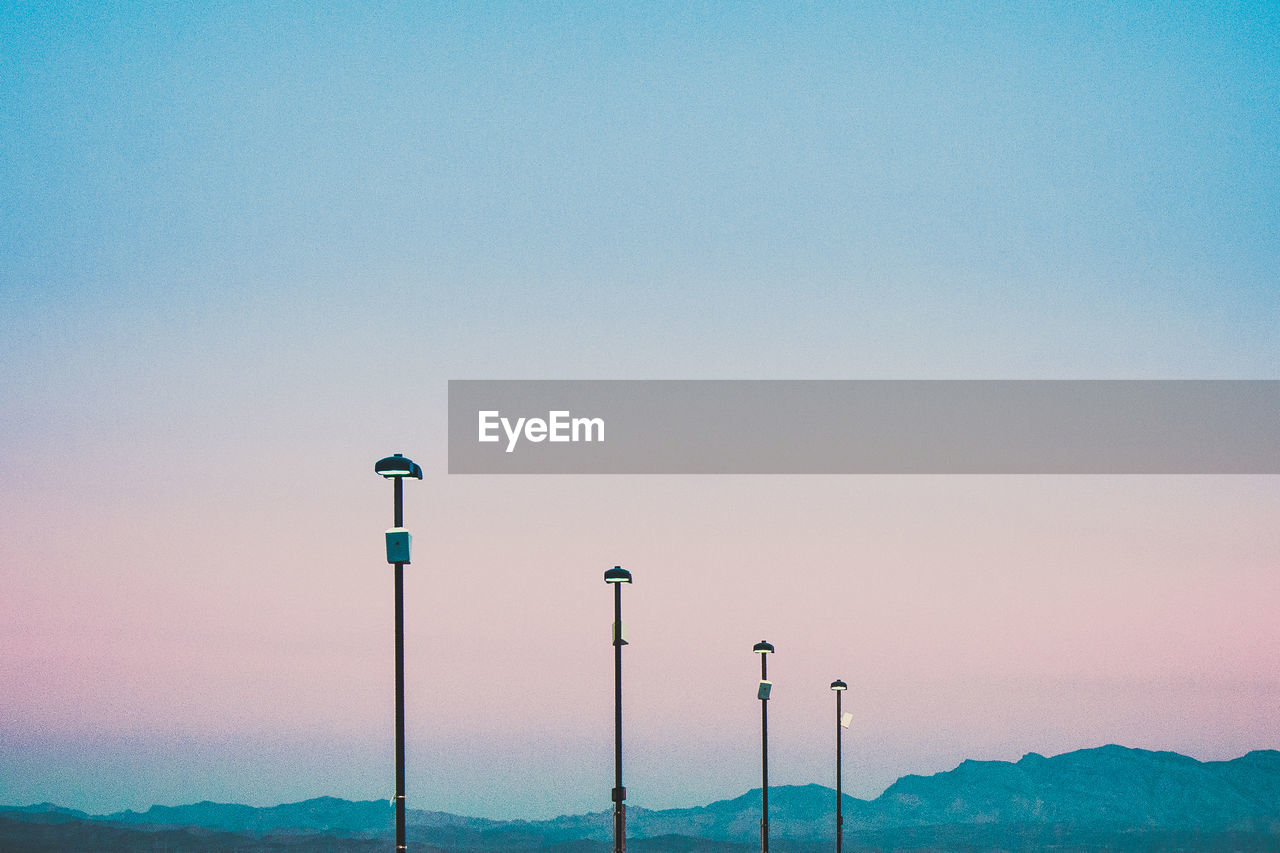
(864,427)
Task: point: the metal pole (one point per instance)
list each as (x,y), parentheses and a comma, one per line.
(399,519)
(619,792)
(764,760)
(839,812)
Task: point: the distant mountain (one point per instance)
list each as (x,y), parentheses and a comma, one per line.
(1072,800)
(45,813)
(35,833)
(1111,786)
(319,815)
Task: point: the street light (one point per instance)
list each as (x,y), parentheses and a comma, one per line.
(396,468)
(618,576)
(839,687)
(764,649)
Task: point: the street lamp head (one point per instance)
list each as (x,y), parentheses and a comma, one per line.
(839,685)
(617,575)
(397,466)
(763,648)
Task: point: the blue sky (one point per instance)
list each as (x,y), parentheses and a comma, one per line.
(1103,173)
(242,249)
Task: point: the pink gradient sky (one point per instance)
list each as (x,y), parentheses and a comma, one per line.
(972,616)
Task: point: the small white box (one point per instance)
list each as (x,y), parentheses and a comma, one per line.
(398,540)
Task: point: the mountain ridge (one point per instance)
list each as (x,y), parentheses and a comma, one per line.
(1108,787)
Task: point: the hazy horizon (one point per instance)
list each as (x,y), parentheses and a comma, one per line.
(604,809)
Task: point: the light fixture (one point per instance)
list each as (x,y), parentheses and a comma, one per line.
(397,466)
(617,575)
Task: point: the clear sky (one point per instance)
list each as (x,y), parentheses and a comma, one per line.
(243,247)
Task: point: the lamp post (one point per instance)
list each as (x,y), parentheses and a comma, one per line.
(839,687)
(396,468)
(764,649)
(618,576)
